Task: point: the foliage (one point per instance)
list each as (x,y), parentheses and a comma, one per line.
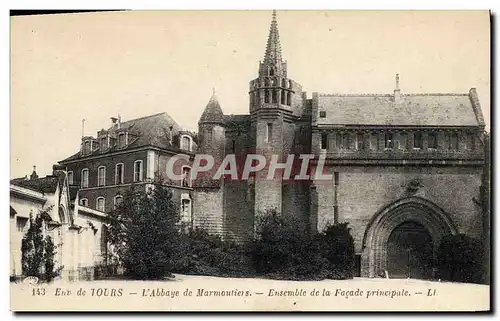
(37,252)
(285,249)
(460,259)
(145,233)
(206,254)
(338,249)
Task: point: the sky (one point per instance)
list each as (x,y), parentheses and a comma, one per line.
(93,66)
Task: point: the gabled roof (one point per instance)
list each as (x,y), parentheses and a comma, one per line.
(412,110)
(213,112)
(154,130)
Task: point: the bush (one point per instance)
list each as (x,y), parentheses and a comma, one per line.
(460,259)
(338,250)
(207,254)
(285,249)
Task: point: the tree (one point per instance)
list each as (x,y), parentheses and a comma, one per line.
(37,252)
(145,232)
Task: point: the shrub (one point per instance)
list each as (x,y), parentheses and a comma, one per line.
(207,254)
(460,259)
(286,249)
(338,249)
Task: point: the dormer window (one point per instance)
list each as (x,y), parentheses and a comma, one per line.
(103,143)
(122,140)
(87,147)
(186,142)
(432,141)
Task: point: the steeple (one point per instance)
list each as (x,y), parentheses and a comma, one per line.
(273,48)
(273,64)
(213,112)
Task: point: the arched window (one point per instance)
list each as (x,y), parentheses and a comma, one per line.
(186,142)
(138,172)
(70,178)
(85,178)
(117,200)
(271,71)
(186,217)
(103,143)
(266,82)
(266,96)
(289,98)
(86,147)
(101,176)
(289,84)
(100,204)
(84,202)
(186,179)
(275,96)
(283,97)
(283,83)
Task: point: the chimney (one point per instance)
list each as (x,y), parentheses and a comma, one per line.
(34,175)
(113,121)
(119,121)
(397,91)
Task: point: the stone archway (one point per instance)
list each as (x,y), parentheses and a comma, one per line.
(420,212)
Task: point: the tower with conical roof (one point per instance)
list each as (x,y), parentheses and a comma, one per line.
(208,202)
(275,105)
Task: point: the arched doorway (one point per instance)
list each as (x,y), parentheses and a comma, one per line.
(410,251)
(403,235)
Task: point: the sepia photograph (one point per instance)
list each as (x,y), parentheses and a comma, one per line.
(250,160)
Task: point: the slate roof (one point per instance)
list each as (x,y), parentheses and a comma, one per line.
(213,112)
(413,109)
(45,185)
(153,130)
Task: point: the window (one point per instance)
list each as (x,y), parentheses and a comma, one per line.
(374,141)
(84,202)
(403,141)
(359,141)
(453,141)
(117,200)
(283,97)
(86,147)
(122,140)
(233,146)
(85,178)
(186,179)
(389,141)
(432,141)
(342,140)
(269,132)
(186,211)
(101,176)
(322,114)
(324,141)
(271,71)
(266,96)
(417,140)
(70,178)
(21,223)
(289,98)
(185,142)
(138,171)
(102,143)
(100,204)
(119,174)
(275,96)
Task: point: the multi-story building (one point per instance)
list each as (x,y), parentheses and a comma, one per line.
(129,153)
(406,169)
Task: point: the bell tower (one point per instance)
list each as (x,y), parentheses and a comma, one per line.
(274,105)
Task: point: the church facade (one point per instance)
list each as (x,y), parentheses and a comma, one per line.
(406,169)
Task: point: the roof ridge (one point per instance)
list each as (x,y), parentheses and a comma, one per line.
(144,117)
(391,95)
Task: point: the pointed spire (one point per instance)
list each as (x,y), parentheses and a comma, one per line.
(213,112)
(273,48)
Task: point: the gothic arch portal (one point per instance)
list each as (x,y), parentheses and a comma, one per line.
(416,209)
